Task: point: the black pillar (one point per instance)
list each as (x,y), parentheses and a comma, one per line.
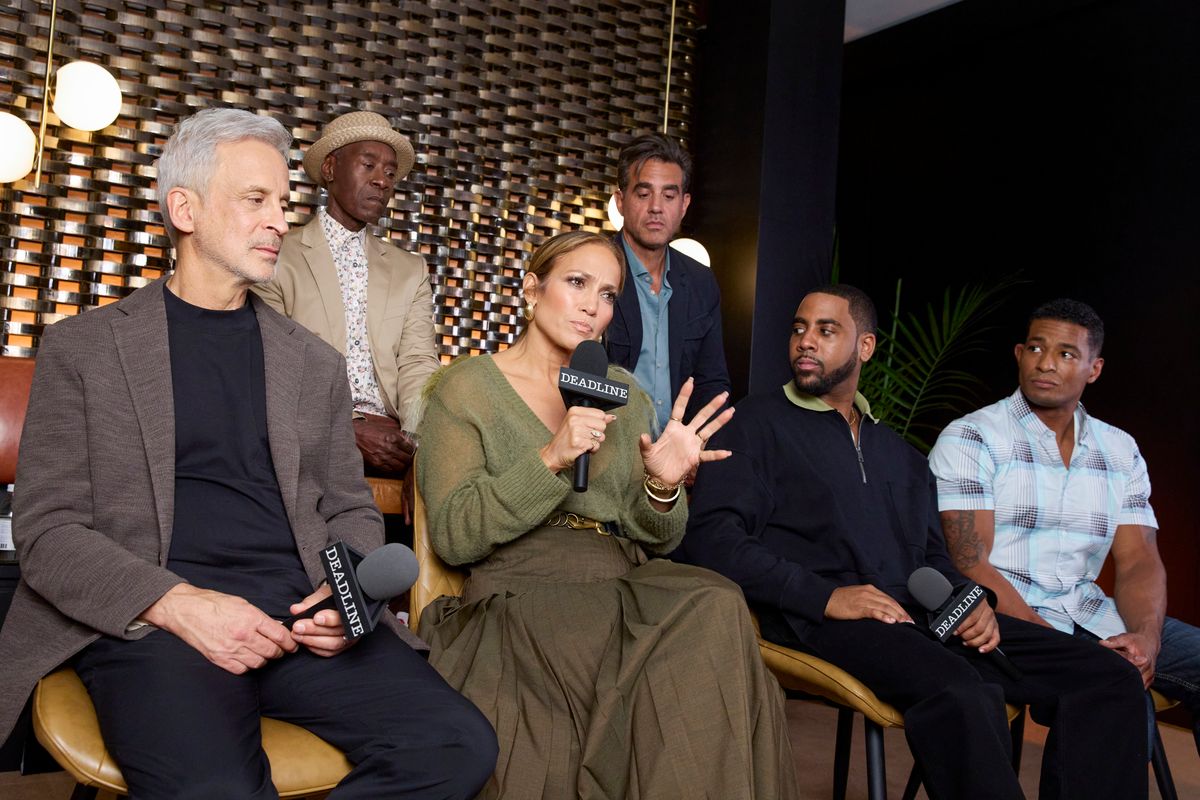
(765,142)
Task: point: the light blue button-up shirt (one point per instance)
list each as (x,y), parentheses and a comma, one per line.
(653,371)
(1055,524)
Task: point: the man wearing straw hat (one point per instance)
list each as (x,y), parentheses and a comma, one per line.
(366,297)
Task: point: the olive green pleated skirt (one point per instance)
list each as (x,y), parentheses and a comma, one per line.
(607,676)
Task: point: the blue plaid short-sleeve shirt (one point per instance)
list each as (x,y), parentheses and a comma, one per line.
(1054,524)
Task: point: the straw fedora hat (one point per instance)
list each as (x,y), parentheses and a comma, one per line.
(357,126)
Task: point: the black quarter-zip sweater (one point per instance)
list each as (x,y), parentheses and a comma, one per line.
(795,513)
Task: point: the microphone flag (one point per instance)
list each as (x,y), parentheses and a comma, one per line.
(945,621)
(585,383)
(341,561)
(602,392)
(947,610)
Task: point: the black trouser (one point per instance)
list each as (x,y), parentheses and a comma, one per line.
(953,705)
(180,727)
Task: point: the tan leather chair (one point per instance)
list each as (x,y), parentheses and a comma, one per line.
(64,719)
(65,723)
(812,676)
(388,494)
(436,578)
(795,670)
(16,376)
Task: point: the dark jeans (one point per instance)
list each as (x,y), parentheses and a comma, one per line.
(1177,670)
(953,705)
(180,727)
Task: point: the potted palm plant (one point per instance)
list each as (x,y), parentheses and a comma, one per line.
(915,381)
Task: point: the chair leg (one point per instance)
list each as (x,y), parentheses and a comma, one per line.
(876,770)
(915,780)
(1017,731)
(841,753)
(84,792)
(1162,770)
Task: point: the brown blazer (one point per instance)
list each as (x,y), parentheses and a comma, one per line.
(95,486)
(399,308)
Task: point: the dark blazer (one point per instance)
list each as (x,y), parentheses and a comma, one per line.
(95,489)
(694,329)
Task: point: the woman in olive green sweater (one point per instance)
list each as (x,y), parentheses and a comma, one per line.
(605,674)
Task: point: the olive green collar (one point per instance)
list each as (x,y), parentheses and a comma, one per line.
(812,403)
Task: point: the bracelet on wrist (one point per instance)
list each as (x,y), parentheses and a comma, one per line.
(662,492)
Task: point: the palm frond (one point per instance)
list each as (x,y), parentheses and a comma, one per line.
(913,375)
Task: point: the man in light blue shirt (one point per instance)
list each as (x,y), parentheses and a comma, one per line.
(1035,494)
(653,371)
(666,326)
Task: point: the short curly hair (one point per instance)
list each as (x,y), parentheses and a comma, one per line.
(862,308)
(1065,309)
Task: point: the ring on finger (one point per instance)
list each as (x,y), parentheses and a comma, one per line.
(595,433)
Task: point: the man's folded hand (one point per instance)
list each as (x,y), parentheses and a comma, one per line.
(227,630)
(386,448)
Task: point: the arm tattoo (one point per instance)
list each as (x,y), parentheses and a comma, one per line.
(962,539)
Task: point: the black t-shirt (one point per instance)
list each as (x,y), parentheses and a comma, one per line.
(231,531)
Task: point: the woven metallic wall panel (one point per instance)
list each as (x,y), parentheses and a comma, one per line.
(516,109)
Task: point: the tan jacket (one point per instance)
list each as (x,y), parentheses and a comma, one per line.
(399,309)
(95,490)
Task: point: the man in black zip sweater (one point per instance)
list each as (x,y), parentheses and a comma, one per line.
(821,515)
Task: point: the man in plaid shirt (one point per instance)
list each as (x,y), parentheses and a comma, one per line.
(1034,495)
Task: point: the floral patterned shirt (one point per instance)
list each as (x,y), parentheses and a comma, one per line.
(350,261)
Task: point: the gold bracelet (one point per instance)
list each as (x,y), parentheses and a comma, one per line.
(650,493)
(653,485)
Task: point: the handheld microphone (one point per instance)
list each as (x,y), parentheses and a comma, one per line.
(586,383)
(948,610)
(362,585)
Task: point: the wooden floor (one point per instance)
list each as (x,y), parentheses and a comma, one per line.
(812,731)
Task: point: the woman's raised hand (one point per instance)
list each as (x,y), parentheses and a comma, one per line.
(581,431)
(680,448)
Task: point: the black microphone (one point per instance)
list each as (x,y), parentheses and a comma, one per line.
(948,610)
(362,585)
(586,383)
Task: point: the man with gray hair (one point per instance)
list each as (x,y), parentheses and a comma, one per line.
(186,456)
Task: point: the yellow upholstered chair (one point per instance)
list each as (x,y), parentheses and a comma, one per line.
(436,578)
(812,676)
(809,675)
(388,494)
(795,671)
(66,725)
(64,719)
(16,376)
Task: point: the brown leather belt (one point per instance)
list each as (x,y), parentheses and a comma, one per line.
(578,522)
